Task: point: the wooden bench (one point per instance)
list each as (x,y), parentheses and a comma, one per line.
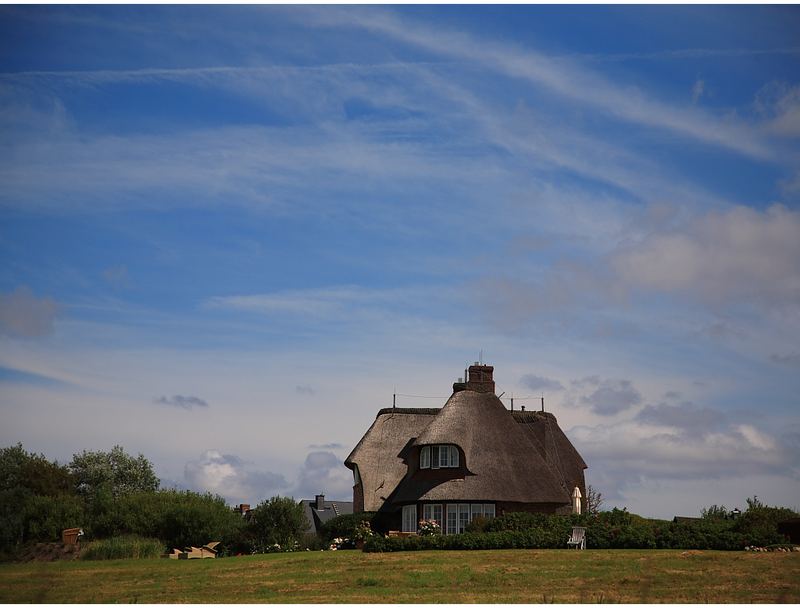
(398,534)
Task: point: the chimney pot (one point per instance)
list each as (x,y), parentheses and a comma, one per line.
(480,378)
(320,499)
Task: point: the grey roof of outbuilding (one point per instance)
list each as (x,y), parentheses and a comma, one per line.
(333,508)
(513,456)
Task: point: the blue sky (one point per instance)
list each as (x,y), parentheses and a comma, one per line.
(229,234)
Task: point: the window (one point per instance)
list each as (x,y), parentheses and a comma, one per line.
(438,457)
(356,476)
(434,513)
(425,458)
(452,519)
(410,518)
(476,511)
(463,517)
(459,515)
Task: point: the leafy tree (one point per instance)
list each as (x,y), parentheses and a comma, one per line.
(715,512)
(115,471)
(24,476)
(280,520)
(32,472)
(594,501)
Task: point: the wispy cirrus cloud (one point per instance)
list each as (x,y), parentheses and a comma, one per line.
(562,77)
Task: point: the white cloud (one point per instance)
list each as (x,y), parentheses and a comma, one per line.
(232,478)
(24,315)
(324,473)
(562,77)
(735,256)
(780,104)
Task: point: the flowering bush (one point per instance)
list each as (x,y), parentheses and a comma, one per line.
(363,531)
(341,543)
(429,527)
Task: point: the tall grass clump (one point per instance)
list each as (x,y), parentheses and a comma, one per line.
(123,547)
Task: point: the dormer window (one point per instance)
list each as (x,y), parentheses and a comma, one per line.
(438,457)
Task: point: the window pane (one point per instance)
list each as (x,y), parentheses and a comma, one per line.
(435,456)
(453,456)
(463,517)
(425,458)
(410,518)
(488,510)
(452,519)
(476,511)
(437,515)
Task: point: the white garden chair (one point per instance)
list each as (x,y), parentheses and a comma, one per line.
(578,538)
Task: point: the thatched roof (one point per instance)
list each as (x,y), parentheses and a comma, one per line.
(379,454)
(502,463)
(521,457)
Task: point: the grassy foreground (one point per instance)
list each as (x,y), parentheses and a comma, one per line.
(530,576)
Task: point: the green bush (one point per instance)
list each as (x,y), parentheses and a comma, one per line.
(46,516)
(179,518)
(616,529)
(280,521)
(344,526)
(123,547)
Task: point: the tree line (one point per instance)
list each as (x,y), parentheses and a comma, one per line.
(110,494)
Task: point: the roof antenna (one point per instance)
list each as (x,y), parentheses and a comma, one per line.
(542,402)
(394,399)
(480,357)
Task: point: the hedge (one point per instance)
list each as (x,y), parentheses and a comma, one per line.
(615,529)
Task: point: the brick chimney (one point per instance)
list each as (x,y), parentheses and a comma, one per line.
(320,498)
(480,378)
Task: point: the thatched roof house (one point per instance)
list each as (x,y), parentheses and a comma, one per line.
(471,457)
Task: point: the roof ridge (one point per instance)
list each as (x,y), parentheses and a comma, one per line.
(409,410)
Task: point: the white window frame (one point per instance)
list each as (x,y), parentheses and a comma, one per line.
(461,514)
(409,518)
(463,517)
(439,457)
(434,512)
(452,519)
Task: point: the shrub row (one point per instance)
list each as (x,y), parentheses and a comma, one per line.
(615,529)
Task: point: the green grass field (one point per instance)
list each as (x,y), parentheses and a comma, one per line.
(529,576)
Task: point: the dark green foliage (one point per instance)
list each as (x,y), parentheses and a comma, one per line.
(114,471)
(20,469)
(715,512)
(124,547)
(278,521)
(478,524)
(179,518)
(46,516)
(29,483)
(616,529)
(759,524)
(344,526)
